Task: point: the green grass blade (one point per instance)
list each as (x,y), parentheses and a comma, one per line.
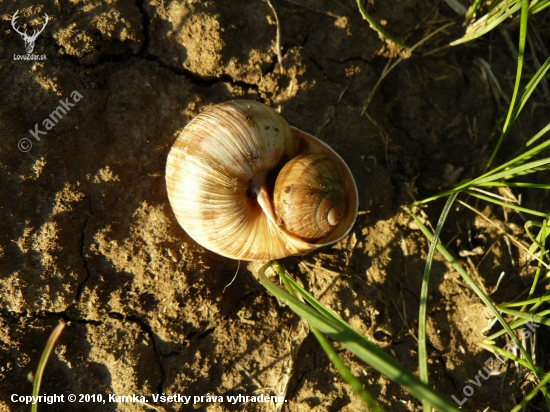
(539,75)
(379,28)
(518,184)
(527,316)
(543,131)
(532,394)
(513,110)
(472,10)
(345,373)
(510,173)
(540,299)
(541,236)
(539,266)
(44,360)
(497,173)
(423,308)
(499,351)
(513,325)
(482,26)
(360,346)
(508,205)
(540,6)
(530,153)
(537,305)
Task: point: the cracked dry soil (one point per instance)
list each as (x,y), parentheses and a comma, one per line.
(88,237)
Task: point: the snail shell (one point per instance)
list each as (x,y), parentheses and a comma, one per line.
(238,175)
(309,196)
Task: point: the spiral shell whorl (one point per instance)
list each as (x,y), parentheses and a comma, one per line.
(309,196)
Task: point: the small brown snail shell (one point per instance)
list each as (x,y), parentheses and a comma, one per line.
(246,185)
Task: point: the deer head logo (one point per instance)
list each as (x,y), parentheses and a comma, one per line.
(29,40)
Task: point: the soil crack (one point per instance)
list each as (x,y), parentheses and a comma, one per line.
(351,59)
(145,327)
(48,314)
(80,287)
(193,78)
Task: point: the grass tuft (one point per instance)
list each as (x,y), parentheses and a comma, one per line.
(327,322)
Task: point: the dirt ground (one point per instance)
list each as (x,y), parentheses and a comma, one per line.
(87,235)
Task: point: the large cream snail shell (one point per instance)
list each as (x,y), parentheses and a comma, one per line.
(246,185)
